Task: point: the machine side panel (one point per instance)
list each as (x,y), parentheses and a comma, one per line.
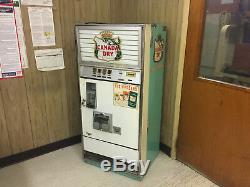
(144,115)
(156,83)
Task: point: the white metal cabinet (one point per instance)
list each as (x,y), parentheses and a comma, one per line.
(127,119)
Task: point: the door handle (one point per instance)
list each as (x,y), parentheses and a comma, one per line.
(83,102)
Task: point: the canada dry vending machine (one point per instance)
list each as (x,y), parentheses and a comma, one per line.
(121,68)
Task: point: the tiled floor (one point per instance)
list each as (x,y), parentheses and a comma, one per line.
(65,168)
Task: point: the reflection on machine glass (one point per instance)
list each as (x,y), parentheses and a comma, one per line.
(226,42)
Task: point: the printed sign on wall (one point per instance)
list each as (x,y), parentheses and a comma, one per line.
(126,95)
(20,32)
(42,26)
(227,2)
(38,2)
(10,59)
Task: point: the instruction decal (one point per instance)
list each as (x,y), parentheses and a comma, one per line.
(126,95)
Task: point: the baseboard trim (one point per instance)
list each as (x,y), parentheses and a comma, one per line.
(165,149)
(20,157)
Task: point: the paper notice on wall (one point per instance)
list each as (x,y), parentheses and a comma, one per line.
(21,38)
(227,2)
(49,59)
(37,2)
(10,61)
(126,95)
(6,1)
(42,26)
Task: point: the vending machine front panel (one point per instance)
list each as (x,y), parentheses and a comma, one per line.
(115,119)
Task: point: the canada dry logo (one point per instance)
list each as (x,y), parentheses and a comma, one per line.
(107,48)
(158,49)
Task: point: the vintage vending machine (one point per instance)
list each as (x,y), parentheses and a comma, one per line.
(121,70)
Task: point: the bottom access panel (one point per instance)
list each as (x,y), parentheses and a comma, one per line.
(108,149)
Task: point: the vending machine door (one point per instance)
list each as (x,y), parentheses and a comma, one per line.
(110,112)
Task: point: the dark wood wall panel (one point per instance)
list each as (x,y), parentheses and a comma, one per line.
(85,11)
(55,91)
(102,11)
(35,91)
(14,97)
(92,11)
(72,88)
(5,148)
(124,11)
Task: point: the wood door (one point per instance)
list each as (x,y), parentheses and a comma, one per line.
(214,131)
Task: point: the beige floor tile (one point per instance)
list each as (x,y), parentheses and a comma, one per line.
(65,168)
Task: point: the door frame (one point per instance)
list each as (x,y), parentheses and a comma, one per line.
(181,38)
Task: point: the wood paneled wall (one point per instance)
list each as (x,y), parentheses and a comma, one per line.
(43,107)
